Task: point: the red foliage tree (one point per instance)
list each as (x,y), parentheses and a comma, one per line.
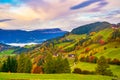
(102,42)
(37,69)
(87,49)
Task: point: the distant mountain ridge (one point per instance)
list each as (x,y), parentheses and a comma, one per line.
(36,36)
(93,27)
(6,47)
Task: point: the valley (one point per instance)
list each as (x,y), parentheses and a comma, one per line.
(82,50)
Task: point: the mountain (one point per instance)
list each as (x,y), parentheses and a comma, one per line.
(93,27)
(36,36)
(4,47)
(105,41)
(81,37)
(85,29)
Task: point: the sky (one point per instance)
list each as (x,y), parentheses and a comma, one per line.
(64,14)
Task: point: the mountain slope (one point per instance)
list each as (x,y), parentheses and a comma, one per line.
(5,47)
(79,43)
(93,27)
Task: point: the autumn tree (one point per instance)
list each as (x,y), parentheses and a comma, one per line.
(37,69)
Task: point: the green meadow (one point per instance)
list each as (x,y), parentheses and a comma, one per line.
(23,76)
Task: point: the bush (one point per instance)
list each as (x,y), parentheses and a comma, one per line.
(85,72)
(116,47)
(115,61)
(105,48)
(79,71)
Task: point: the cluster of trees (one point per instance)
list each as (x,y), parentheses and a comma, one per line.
(23,64)
(91,59)
(94,59)
(20,64)
(115,36)
(102,68)
(56,65)
(10,65)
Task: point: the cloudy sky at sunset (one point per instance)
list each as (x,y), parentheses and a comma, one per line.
(64,14)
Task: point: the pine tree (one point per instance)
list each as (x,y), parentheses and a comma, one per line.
(28,65)
(4,67)
(24,64)
(21,63)
(10,65)
(66,66)
(49,63)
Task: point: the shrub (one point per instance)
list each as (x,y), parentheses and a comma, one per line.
(115,61)
(116,47)
(105,48)
(77,70)
(85,72)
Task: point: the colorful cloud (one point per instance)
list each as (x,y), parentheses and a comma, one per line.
(64,14)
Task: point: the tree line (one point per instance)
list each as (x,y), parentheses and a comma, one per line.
(24,64)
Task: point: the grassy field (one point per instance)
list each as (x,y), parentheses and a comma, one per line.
(91,67)
(7,52)
(111,51)
(105,33)
(20,76)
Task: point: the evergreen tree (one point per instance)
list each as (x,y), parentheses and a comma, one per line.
(28,65)
(66,66)
(10,65)
(21,63)
(56,65)
(4,67)
(103,67)
(24,64)
(13,64)
(49,62)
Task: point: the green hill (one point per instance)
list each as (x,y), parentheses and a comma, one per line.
(91,27)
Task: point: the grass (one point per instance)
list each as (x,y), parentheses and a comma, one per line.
(29,46)
(91,67)
(7,52)
(62,44)
(76,37)
(111,51)
(23,76)
(105,33)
